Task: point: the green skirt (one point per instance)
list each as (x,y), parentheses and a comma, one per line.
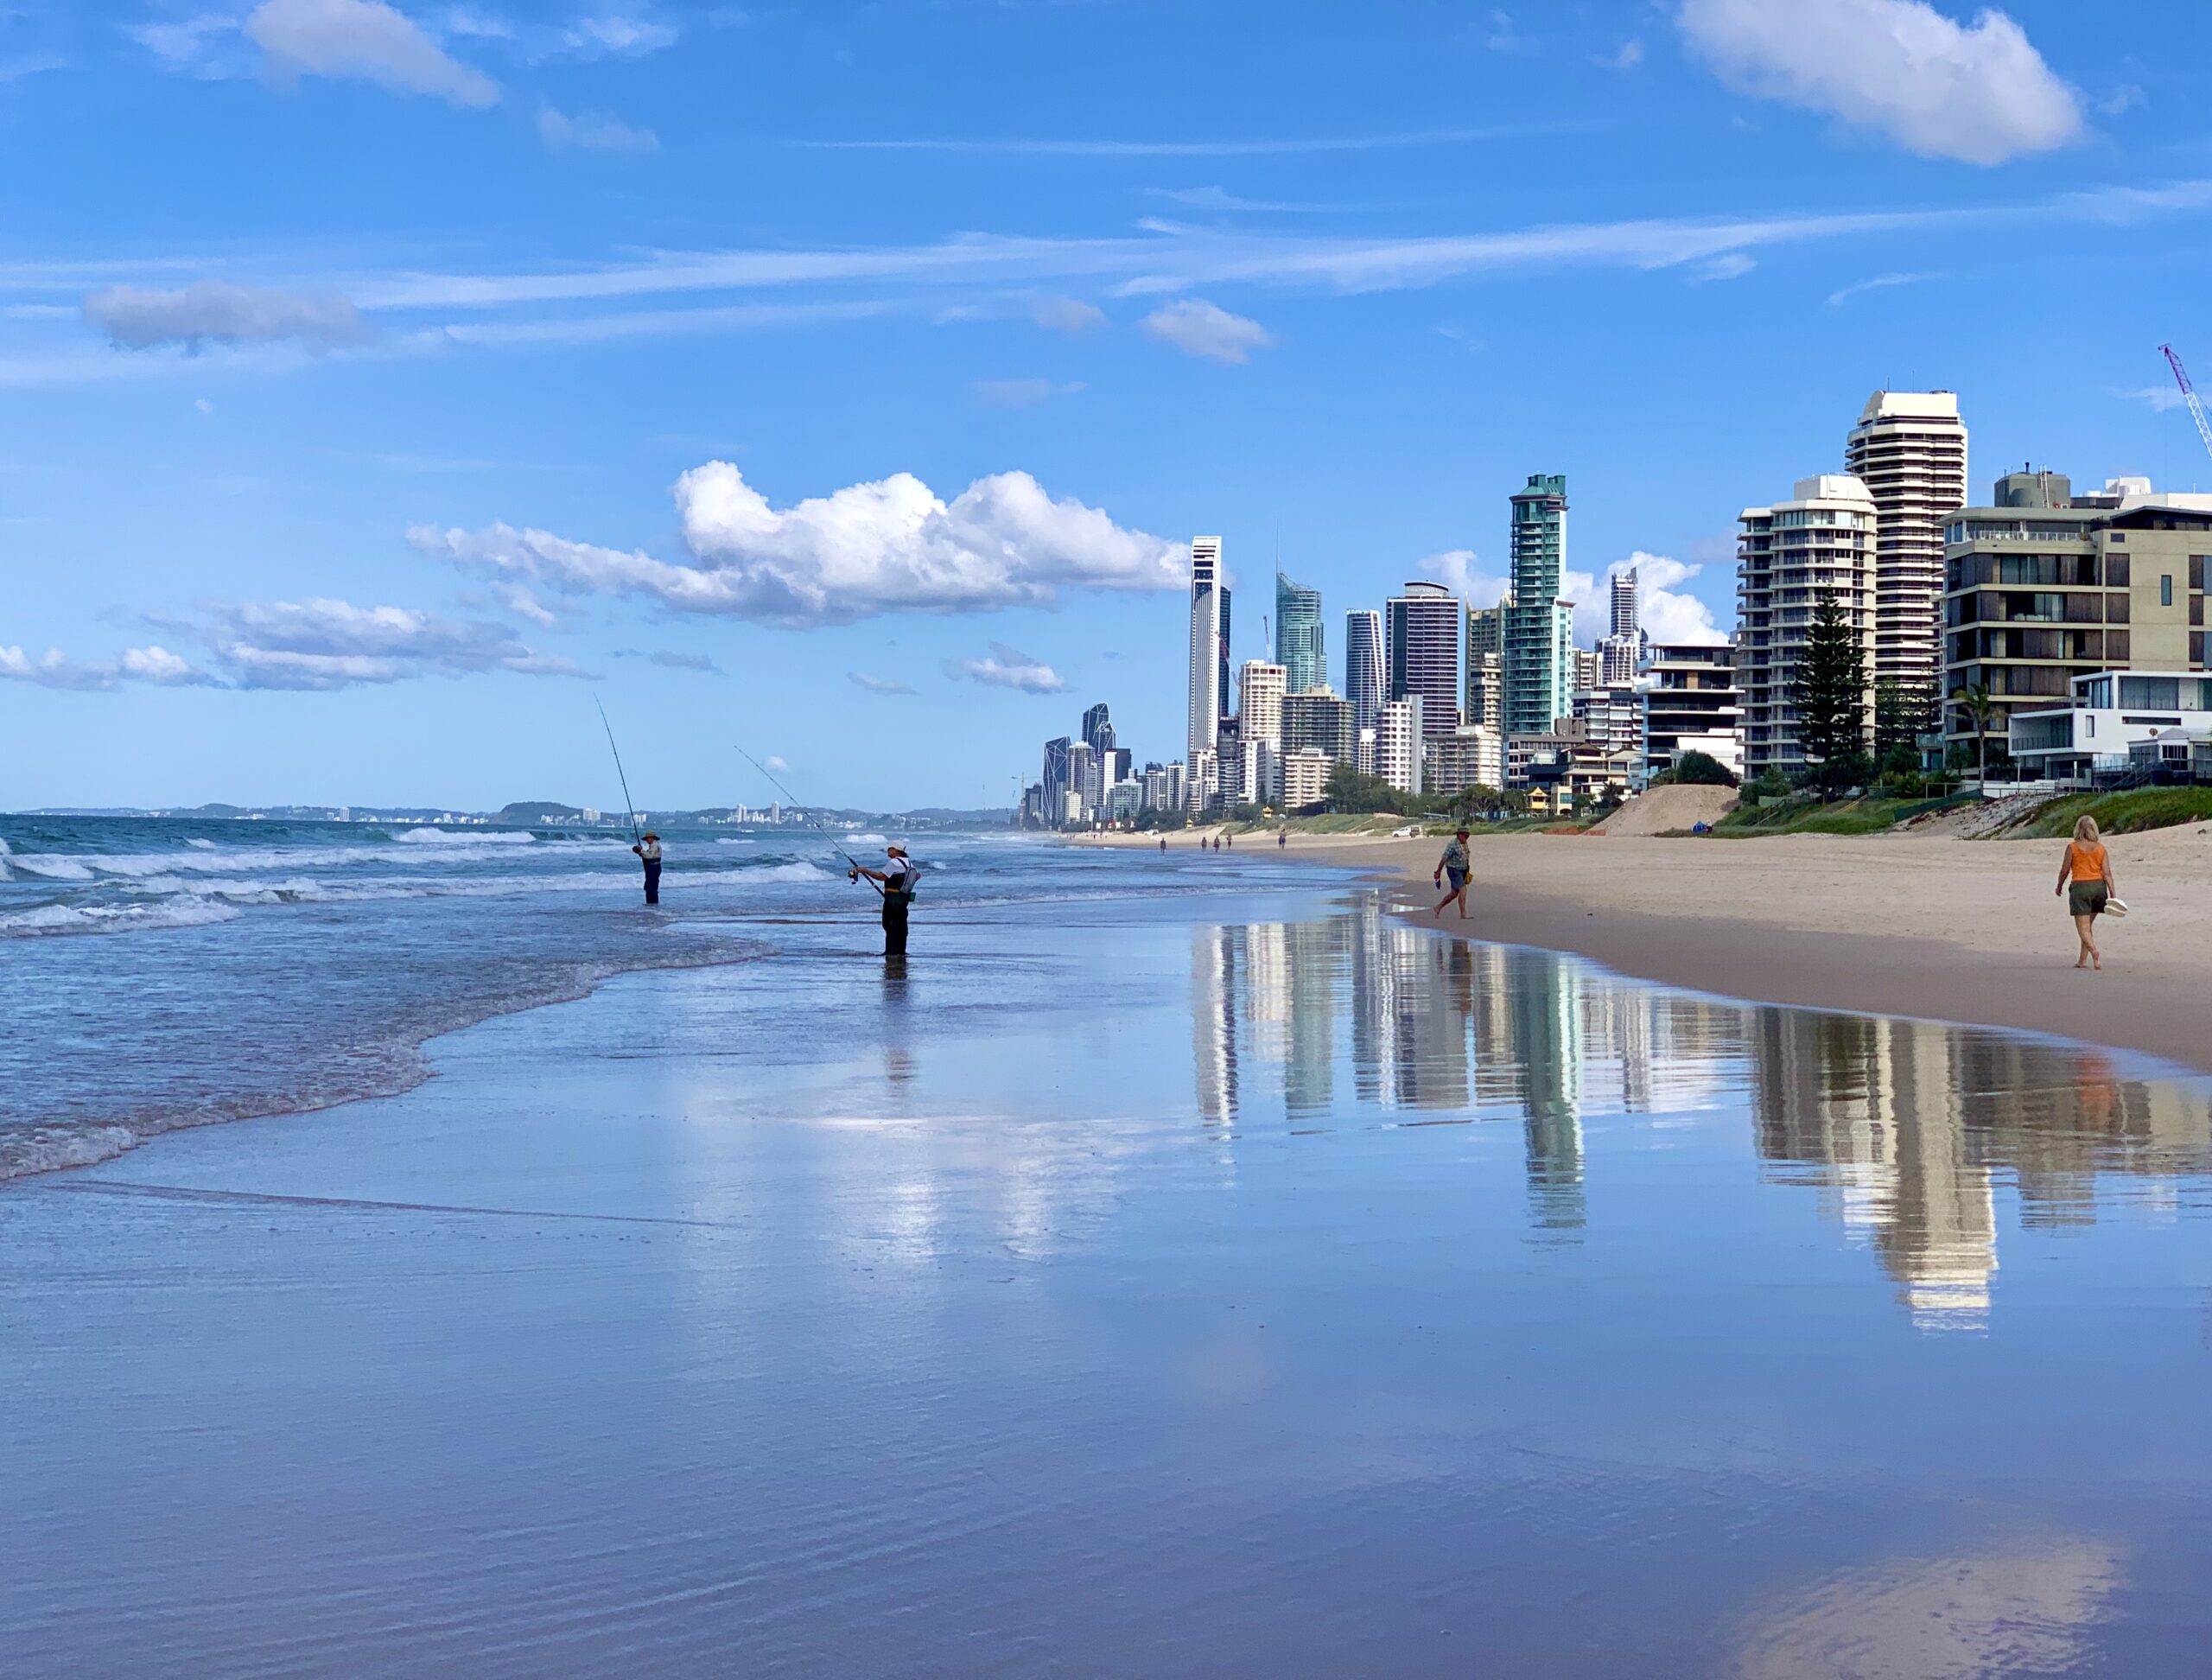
(2086,898)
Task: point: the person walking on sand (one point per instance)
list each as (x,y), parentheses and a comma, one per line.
(648,849)
(897,877)
(1455,864)
(2089,865)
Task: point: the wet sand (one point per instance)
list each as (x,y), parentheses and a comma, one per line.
(1938,929)
(1214,1284)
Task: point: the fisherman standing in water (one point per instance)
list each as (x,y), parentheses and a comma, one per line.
(649,849)
(897,877)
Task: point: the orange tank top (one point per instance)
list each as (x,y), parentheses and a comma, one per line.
(2087,860)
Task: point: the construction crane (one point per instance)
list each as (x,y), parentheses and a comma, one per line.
(2188,394)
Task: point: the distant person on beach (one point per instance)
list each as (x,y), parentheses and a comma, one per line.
(649,849)
(1163,843)
(2088,866)
(1454,864)
(1282,839)
(897,877)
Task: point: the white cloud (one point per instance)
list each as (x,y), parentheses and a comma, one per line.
(890,546)
(880,684)
(522,603)
(1979,93)
(777,762)
(1009,667)
(203,405)
(1456,569)
(1729,265)
(615,36)
(326,644)
(1843,294)
(1199,328)
(1667,614)
(1067,315)
(480,25)
(1021,394)
(670,660)
(368,40)
(590,131)
(154,664)
(218,311)
(1629,55)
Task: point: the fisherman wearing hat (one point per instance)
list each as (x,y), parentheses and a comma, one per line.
(649,849)
(897,876)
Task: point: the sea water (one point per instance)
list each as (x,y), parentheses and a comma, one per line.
(164,972)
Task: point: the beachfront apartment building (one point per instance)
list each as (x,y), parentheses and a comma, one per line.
(1909,450)
(1305,777)
(2117,719)
(1820,542)
(1691,704)
(1260,688)
(1321,720)
(1470,756)
(2044,587)
(1423,648)
(1538,621)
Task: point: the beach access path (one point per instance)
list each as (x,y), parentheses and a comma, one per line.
(1938,928)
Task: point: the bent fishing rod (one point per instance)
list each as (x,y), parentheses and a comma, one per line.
(817,821)
(629,804)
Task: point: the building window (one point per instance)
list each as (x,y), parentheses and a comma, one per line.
(2166,590)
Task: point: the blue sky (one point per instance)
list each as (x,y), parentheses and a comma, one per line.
(381,383)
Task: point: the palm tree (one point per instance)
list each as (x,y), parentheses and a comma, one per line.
(1983,709)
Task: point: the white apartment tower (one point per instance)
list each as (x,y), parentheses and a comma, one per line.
(1262,686)
(1819,542)
(1398,748)
(1364,666)
(1909,450)
(1205,649)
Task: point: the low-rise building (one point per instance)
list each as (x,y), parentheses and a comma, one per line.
(2112,714)
(1691,704)
(1305,777)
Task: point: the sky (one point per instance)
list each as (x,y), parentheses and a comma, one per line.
(382,384)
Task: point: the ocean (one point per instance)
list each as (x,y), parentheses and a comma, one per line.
(164,972)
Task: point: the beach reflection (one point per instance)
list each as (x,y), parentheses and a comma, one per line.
(1910,1132)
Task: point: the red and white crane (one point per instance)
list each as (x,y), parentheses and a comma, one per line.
(2188,394)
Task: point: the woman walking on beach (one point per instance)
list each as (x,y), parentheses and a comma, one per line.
(1454,864)
(2089,865)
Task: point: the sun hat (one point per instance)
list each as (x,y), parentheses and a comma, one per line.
(895,849)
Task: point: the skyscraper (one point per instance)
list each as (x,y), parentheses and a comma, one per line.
(1364,667)
(1298,636)
(1398,737)
(1227,708)
(1260,717)
(1909,450)
(1098,729)
(1624,603)
(1538,625)
(1622,650)
(1423,651)
(1208,680)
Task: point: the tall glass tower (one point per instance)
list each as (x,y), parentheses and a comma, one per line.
(1363,667)
(1298,636)
(1538,625)
(1207,681)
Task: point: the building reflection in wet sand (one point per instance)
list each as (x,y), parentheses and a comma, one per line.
(1910,1131)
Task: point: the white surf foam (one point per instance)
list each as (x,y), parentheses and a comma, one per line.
(438,837)
(55,919)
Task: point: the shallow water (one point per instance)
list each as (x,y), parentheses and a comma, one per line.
(1135,1284)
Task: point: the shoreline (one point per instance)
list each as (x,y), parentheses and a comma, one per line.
(1935,929)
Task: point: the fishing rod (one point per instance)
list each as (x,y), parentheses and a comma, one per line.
(817,822)
(629,804)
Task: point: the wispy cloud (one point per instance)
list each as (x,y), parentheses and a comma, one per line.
(669,660)
(364,40)
(1843,294)
(153,664)
(592,132)
(1009,667)
(878,684)
(1281,146)
(1199,328)
(217,311)
(1067,315)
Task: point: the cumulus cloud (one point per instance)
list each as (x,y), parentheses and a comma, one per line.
(1021,394)
(880,684)
(153,664)
(1067,315)
(517,599)
(890,546)
(1459,570)
(1668,615)
(216,311)
(1009,667)
(1979,93)
(590,131)
(1199,328)
(366,39)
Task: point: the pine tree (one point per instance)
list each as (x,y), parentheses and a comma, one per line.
(1829,689)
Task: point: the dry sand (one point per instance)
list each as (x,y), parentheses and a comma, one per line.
(1940,928)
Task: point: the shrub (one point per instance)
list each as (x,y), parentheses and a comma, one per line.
(1696,769)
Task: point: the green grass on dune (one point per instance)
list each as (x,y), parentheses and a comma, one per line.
(2117,813)
(1844,816)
